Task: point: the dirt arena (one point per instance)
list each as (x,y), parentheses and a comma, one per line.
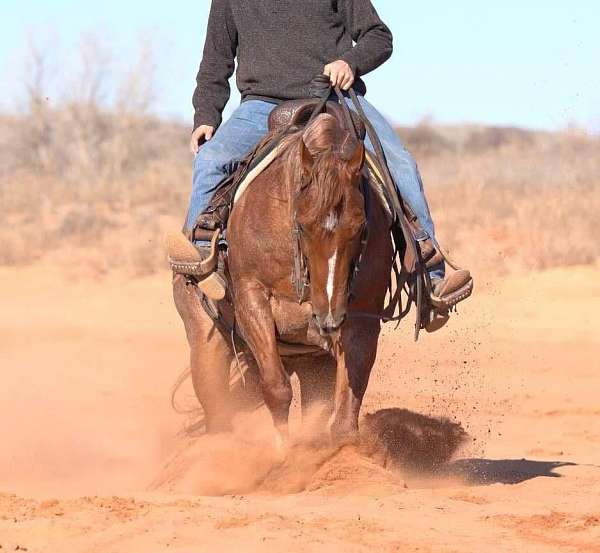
(92,459)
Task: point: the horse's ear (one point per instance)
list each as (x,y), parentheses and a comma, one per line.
(306,158)
(358,159)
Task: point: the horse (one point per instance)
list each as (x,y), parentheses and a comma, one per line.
(311,203)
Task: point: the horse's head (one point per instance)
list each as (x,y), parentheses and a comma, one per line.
(330,215)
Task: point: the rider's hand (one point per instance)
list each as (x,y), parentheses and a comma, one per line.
(340,74)
(200,136)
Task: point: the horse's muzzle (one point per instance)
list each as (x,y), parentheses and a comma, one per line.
(329,323)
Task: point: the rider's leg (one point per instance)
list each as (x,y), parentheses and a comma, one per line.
(214,161)
(447,290)
(404,172)
(232,141)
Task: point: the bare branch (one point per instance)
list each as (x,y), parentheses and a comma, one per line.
(136,92)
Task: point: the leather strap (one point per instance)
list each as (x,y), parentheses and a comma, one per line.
(399,207)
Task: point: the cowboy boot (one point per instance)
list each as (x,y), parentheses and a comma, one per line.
(445,292)
(198,262)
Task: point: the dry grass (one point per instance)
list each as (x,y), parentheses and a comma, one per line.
(93,186)
(107,211)
(92,183)
(507,199)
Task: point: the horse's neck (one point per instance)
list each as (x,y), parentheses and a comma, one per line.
(268,204)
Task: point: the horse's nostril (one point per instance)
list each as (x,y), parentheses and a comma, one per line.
(329,324)
(337,323)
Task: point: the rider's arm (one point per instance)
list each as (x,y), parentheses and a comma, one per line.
(372,37)
(218,63)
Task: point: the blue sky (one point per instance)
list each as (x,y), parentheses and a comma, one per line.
(530,63)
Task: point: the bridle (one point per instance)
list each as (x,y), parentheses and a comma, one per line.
(300,277)
(321,88)
(301,274)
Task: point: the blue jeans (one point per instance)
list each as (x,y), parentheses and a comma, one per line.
(248,124)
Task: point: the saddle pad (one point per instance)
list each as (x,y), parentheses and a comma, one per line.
(251,176)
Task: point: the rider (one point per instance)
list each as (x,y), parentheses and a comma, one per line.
(280,45)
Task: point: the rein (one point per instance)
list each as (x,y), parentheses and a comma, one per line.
(300,277)
(399,207)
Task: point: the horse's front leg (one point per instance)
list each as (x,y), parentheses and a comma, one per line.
(355,348)
(255,320)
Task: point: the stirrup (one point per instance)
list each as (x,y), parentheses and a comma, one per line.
(185,259)
(446,301)
(438,311)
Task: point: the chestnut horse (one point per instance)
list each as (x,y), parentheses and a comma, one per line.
(310,201)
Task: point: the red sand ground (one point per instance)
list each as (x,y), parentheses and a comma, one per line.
(87,428)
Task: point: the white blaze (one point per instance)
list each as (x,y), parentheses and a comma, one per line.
(331,277)
(330,221)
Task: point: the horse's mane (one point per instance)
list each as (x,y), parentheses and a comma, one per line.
(331,147)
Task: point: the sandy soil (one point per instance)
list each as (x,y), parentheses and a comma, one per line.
(91,460)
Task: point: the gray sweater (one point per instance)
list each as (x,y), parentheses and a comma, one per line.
(280,45)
